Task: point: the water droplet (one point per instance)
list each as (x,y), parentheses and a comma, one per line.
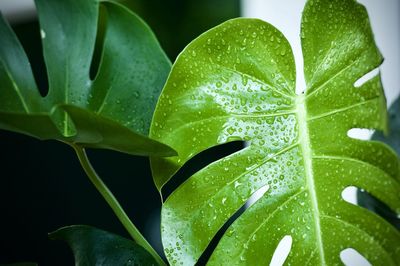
(223,200)
(42,34)
(230,232)
(231,130)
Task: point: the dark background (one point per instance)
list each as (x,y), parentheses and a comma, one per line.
(42,186)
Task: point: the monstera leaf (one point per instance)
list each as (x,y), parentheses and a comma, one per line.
(393,139)
(237,82)
(117,104)
(92,246)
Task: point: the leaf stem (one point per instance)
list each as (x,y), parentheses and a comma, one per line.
(114,204)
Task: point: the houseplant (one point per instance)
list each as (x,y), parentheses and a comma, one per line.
(235,82)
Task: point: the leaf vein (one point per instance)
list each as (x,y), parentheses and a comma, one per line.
(272,214)
(371,238)
(257,80)
(341,110)
(229,116)
(16,88)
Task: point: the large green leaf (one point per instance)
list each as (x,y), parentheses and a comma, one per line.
(92,246)
(132,71)
(237,82)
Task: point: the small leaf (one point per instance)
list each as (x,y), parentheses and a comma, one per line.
(97,131)
(237,82)
(131,73)
(92,246)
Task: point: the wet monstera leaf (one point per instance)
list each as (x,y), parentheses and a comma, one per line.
(117,103)
(237,82)
(393,140)
(92,246)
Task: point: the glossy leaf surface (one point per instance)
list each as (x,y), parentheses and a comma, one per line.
(92,246)
(131,73)
(237,82)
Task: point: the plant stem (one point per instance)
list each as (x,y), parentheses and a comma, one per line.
(114,204)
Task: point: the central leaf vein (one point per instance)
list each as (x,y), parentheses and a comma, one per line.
(307,157)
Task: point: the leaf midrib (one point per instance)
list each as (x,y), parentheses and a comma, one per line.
(304,141)
(16,88)
(67,85)
(230,115)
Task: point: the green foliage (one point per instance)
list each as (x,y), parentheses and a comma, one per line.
(234,82)
(237,82)
(111,111)
(92,246)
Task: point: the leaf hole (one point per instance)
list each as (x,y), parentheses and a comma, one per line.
(214,242)
(29,35)
(198,162)
(351,257)
(349,195)
(99,44)
(366,200)
(360,133)
(364,79)
(282,251)
(360,197)
(256,196)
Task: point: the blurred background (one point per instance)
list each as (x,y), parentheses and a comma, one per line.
(42,186)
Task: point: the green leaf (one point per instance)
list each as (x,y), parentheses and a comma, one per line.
(131,73)
(237,82)
(92,246)
(393,140)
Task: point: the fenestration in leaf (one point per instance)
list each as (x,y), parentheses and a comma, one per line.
(393,140)
(237,82)
(393,137)
(92,246)
(132,71)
